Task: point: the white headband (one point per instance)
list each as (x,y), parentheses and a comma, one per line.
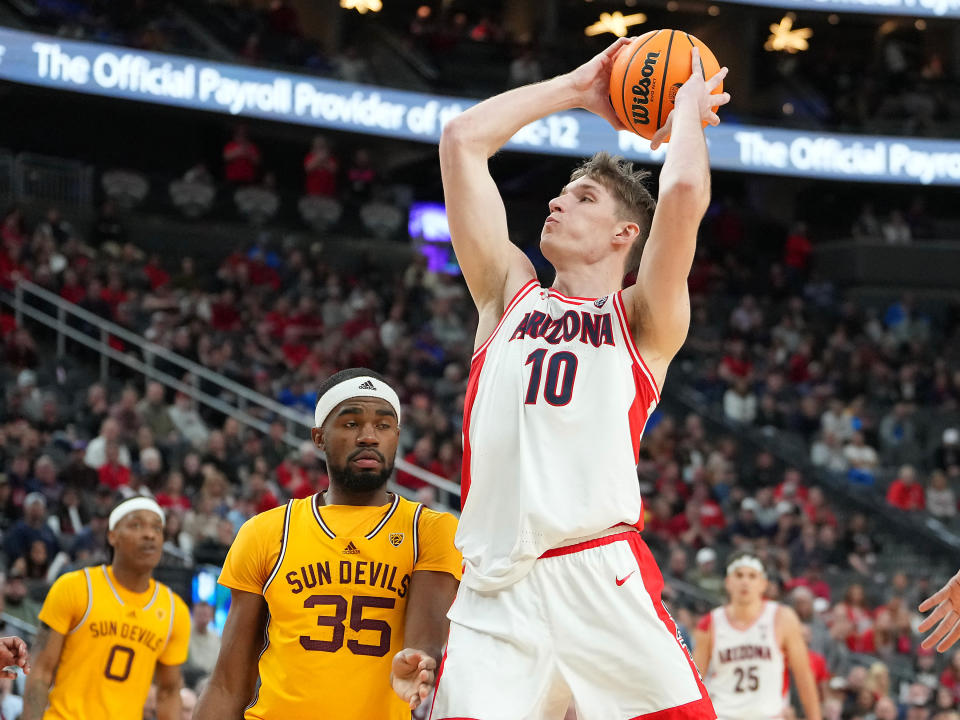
(746,561)
(132,505)
(362,386)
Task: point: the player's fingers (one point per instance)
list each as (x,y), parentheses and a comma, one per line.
(720,99)
(717,78)
(659,136)
(950,639)
(933,618)
(696,66)
(933,600)
(615,47)
(945,626)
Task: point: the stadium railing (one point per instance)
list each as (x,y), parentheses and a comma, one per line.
(243,404)
(53,180)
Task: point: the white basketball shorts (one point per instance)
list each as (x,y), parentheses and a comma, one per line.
(587,624)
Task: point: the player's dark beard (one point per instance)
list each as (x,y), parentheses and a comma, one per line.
(359,481)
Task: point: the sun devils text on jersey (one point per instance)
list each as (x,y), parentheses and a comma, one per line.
(336,580)
(114,639)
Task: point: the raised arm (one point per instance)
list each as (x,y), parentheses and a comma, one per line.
(425,632)
(659,304)
(492,266)
(47,646)
(231,685)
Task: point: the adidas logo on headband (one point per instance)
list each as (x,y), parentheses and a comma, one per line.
(368,385)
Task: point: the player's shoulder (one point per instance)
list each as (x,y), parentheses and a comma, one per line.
(437,521)
(706,621)
(268,520)
(784,615)
(74,579)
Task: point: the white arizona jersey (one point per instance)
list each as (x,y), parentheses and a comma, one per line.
(747,677)
(556,403)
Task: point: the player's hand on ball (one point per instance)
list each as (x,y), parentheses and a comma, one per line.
(945,604)
(591,82)
(413,674)
(13,652)
(697,90)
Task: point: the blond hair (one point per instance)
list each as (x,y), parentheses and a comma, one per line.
(633,199)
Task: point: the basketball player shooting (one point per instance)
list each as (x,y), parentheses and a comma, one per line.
(560,597)
(743,649)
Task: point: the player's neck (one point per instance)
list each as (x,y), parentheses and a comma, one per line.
(745,612)
(586,282)
(335,495)
(132,579)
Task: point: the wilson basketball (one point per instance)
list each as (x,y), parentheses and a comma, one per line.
(647,74)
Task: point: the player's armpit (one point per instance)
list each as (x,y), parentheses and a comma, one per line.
(169,680)
(47,647)
(232,683)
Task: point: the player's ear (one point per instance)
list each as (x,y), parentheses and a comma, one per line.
(627,233)
(317,435)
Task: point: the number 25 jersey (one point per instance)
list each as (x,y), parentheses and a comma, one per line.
(556,404)
(336,580)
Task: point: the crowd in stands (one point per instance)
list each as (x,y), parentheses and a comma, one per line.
(777,350)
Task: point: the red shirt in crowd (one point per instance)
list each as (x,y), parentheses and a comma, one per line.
(818,663)
(906,496)
(321,174)
(114,476)
(178,502)
(797,251)
(241,160)
(412,481)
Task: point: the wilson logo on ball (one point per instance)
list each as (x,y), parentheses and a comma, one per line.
(641,90)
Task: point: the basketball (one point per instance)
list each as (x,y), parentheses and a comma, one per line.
(647,74)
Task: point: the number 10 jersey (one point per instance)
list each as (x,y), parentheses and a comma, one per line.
(556,404)
(336,580)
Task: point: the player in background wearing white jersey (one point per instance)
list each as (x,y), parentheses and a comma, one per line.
(744,648)
(560,597)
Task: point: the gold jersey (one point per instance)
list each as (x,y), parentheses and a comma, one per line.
(336,580)
(114,638)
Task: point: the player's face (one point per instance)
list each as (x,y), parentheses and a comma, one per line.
(360,440)
(746,584)
(138,539)
(582,225)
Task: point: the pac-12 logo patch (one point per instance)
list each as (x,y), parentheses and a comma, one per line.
(396,539)
(600,302)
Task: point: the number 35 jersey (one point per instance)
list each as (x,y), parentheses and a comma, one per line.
(113,640)
(556,404)
(336,580)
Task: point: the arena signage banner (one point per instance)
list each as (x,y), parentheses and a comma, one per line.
(913,8)
(318,102)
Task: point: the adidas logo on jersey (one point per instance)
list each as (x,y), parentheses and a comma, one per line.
(368,385)
(351,549)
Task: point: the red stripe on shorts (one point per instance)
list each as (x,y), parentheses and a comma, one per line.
(701,709)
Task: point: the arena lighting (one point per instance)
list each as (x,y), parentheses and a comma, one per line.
(616,23)
(784,37)
(362,6)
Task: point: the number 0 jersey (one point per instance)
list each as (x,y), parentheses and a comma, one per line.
(114,639)
(556,403)
(336,581)
(746,678)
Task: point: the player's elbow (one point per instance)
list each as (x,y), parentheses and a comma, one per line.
(459,138)
(689,192)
